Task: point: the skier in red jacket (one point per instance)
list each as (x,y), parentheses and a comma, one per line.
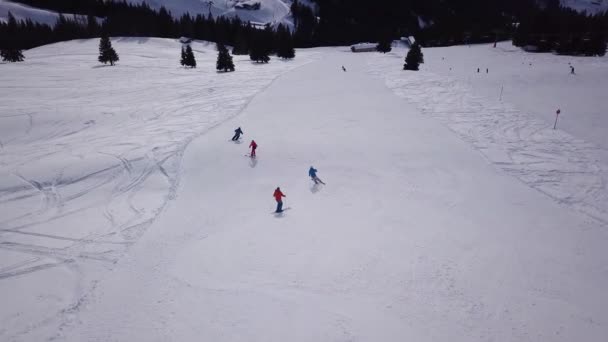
(278,195)
(253,146)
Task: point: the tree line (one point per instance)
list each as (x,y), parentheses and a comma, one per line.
(562,30)
(330,23)
(136,20)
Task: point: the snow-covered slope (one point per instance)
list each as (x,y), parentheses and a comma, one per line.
(90,155)
(22,12)
(271,11)
(590,6)
(508,109)
(112,230)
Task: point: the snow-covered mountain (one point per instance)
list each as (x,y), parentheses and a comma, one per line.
(257,11)
(269,11)
(590,6)
(22,12)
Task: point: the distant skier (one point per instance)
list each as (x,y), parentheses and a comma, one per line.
(312,172)
(253,146)
(572,70)
(278,196)
(237,134)
(343,68)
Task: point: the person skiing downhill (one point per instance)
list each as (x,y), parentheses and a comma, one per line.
(237,134)
(312,172)
(278,195)
(253,146)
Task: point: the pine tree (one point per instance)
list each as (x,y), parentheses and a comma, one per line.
(183,60)
(241,45)
(414,58)
(10,51)
(258,52)
(384,45)
(107,54)
(285,43)
(188,59)
(224,60)
(11,55)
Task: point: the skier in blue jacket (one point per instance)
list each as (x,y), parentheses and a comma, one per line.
(312,172)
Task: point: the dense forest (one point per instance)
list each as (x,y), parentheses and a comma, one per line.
(562,30)
(333,22)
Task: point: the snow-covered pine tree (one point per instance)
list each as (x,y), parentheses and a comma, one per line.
(414,58)
(107,54)
(224,60)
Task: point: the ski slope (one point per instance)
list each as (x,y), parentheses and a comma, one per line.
(415,237)
(128,214)
(90,155)
(507,111)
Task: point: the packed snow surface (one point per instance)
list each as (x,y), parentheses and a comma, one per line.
(127,214)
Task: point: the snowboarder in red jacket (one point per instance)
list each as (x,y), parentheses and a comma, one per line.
(253,146)
(278,195)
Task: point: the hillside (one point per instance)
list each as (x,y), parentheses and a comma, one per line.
(127,214)
(23,12)
(590,6)
(270,11)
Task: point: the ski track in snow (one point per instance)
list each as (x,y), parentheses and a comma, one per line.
(569,170)
(91,155)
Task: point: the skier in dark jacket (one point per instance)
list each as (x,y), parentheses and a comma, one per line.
(312,172)
(237,134)
(278,196)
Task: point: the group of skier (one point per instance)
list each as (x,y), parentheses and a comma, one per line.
(253,145)
(278,194)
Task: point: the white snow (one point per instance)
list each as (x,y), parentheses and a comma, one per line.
(113,230)
(90,156)
(23,12)
(514,130)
